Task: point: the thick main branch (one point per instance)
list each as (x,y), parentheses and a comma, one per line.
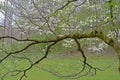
(92,34)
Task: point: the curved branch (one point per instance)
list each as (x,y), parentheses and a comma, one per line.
(74,36)
(85,59)
(36,62)
(18,51)
(92,34)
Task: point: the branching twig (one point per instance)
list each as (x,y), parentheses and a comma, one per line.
(18,51)
(36,62)
(69,1)
(47,20)
(84,57)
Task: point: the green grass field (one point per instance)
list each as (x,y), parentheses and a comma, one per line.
(70,64)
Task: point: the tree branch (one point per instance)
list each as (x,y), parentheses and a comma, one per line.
(74,36)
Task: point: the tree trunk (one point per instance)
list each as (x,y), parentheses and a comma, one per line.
(8,23)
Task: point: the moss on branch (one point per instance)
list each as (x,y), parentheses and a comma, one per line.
(92,34)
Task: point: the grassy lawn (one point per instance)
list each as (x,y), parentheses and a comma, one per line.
(71,64)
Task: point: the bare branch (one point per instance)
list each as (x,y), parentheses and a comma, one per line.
(39,60)
(69,1)
(18,51)
(85,59)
